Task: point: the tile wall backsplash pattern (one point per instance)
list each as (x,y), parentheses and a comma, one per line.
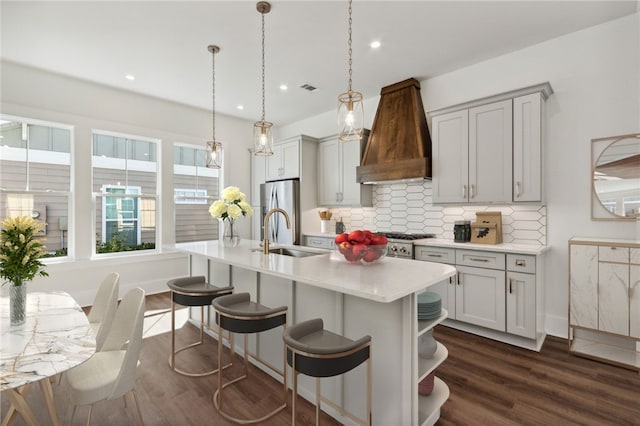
(407,207)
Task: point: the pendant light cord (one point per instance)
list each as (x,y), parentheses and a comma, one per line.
(213,84)
(350,51)
(263,108)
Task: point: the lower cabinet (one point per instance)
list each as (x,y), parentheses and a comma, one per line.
(495,294)
(604,300)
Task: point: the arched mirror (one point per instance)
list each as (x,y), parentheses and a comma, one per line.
(616,177)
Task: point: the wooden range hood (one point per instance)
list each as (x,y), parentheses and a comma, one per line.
(399,145)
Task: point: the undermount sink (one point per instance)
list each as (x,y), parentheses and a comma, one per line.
(290,252)
(293,252)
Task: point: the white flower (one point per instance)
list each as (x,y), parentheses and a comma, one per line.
(234,211)
(232,193)
(218,208)
(231,206)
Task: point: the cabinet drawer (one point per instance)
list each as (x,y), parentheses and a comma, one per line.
(435,254)
(521,263)
(613,254)
(482,259)
(319,242)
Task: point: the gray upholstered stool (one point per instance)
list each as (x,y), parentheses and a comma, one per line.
(236,313)
(192,291)
(316,352)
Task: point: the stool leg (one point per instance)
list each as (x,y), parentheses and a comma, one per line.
(369,415)
(173,332)
(318,392)
(284,373)
(201,324)
(294,395)
(219,370)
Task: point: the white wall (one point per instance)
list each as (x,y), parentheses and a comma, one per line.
(32,93)
(595,77)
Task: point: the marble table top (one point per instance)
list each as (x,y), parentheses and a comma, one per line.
(55,337)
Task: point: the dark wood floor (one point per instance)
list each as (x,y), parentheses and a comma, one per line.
(490,383)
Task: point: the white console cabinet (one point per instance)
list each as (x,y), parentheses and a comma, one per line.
(604,300)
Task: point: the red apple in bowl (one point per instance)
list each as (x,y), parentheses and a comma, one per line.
(361,246)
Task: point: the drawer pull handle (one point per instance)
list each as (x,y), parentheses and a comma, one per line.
(459,280)
(477,259)
(510,285)
(521,262)
(613,248)
(434,255)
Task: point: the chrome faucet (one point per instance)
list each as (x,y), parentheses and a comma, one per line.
(265,225)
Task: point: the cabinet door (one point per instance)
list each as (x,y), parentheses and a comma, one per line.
(583,286)
(291,160)
(258,176)
(521,304)
(350,186)
(450,161)
(634,301)
(490,152)
(613,298)
(275,169)
(329,173)
(480,297)
(527,148)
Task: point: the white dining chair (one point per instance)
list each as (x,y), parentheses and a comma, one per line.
(104,307)
(112,372)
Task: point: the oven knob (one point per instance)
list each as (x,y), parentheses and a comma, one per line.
(393,248)
(403,250)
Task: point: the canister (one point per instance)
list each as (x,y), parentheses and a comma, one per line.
(462,231)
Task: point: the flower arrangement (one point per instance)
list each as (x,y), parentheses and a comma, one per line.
(20,250)
(231,206)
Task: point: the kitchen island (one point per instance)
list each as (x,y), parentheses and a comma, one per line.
(353,300)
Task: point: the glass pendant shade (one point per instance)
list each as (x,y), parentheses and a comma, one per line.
(214,155)
(263,138)
(350,116)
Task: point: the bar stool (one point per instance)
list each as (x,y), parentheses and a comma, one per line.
(192,291)
(236,313)
(316,352)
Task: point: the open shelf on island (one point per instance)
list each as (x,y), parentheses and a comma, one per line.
(429,406)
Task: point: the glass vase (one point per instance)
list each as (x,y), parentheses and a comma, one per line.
(18,303)
(230,238)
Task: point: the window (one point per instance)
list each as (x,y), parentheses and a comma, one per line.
(35,176)
(195,188)
(125,187)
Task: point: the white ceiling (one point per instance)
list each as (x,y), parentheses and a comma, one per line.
(164,44)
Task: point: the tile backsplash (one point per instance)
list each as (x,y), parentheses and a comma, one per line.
(408,207)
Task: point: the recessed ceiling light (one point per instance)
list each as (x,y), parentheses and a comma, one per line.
(130,77)
(240,107)
(375,44)
(283,87)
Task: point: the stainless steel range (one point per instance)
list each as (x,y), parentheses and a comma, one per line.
(401,245)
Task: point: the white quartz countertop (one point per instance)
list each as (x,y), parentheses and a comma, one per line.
(504,247)
(385,281)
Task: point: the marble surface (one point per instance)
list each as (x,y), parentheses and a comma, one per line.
(388,280)
(55,337)
(533,249)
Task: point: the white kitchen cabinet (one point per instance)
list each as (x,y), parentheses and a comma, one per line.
(521,295)
(337,185)
(528,113)
(285,161)
(604,304)
(479,138)
(495,294)
(319,242)
(490,150)
(258,177)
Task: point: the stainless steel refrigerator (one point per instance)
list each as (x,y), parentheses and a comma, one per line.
(284,194)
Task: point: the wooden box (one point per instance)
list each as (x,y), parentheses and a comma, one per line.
(487,229)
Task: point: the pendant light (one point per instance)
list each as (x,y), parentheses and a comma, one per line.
(262,130)
(350,108)
(214,147)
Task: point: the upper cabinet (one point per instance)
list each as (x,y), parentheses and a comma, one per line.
(337,162)
(490,150)
(285,161)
